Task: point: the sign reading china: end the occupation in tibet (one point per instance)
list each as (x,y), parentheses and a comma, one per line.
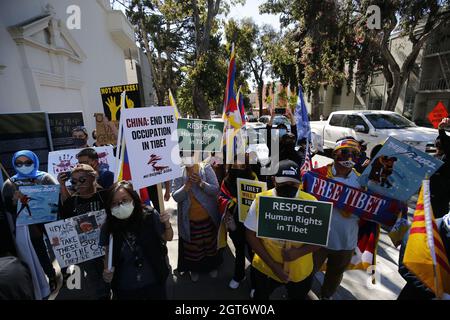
(294,220)
(152,152)
(247,191)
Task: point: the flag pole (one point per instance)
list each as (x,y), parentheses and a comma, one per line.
(429,229)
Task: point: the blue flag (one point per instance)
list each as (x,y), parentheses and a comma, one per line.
(301,114)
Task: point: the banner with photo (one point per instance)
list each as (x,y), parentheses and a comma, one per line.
(39,204)
(398,169)
(151,143)
(247,191)
(76,239)
(66,160)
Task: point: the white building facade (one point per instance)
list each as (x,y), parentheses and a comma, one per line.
(56,54)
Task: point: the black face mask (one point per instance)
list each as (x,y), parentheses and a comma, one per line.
(286,191)
(237,172)
(78,142)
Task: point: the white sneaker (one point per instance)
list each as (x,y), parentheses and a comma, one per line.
(233,284)
(194,276)
(213,274)
(252,293)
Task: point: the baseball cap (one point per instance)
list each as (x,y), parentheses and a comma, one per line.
(347,142)
(288,170)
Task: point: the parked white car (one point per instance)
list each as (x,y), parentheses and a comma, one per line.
(374,127)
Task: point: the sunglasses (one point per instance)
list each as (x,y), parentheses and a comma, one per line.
(81,180)
(25,163)
(348,152)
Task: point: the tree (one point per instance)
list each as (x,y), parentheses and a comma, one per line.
(160,28)
(204,14)
(416,20)
(252,45)
(323,43)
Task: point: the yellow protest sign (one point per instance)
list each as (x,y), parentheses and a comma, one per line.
(247,191)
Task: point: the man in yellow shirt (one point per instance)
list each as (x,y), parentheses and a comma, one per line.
(276,262)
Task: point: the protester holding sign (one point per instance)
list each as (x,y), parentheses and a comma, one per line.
(278,262)
(343,235)
(29,239)
(87,197)
(139,255)
(198,219)
(440,196)
(90,157)
(228,207)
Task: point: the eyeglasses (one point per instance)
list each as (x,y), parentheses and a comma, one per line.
(81,180)
(28,163)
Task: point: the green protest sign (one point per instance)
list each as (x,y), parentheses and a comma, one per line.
(294,220)
(199,135)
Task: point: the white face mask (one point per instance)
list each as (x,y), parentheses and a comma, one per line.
(123,211)
(347,164)
(25,169)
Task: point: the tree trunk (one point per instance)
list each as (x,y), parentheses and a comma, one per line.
(315,105)
(260,98)
(200,103)
(394,92)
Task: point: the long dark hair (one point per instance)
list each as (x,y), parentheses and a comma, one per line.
(230,180)
(114,225)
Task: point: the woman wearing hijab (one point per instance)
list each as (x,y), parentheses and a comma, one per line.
(198,219)
(29,239)
(139,259)
(228,207)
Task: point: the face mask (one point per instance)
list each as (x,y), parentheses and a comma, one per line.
(286,191)
(25,169)
(347,164)
(123,211)
(78,142)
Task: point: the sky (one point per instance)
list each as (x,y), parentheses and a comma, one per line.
(251,9)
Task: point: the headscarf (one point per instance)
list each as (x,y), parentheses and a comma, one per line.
(33,157)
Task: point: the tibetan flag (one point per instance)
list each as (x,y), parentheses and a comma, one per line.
(425,254)
(231,114)
(241,106)
(173,104)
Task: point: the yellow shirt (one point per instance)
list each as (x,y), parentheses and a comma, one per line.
(298,269)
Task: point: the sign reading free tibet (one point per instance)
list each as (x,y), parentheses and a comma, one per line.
(294,220)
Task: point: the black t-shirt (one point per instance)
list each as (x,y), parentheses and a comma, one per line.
(15,280)
(77,205)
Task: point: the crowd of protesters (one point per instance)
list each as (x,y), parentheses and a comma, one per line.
(206,196)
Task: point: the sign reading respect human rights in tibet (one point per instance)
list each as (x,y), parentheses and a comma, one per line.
(200,135)
(294,220)
(151,140)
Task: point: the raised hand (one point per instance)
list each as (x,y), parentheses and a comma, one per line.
(113,107)
(130,103)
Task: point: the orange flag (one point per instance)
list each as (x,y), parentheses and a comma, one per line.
(425,253)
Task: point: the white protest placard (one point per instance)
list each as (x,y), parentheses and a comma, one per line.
(66,160)
(152,145)
(76,239)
